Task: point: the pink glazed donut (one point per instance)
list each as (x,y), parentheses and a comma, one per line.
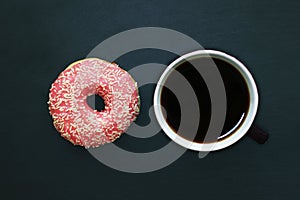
(76,120)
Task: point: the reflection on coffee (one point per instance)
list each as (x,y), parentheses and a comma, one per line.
(237,96)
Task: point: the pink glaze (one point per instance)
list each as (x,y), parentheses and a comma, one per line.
(75,119)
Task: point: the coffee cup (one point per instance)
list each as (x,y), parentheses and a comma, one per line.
(206,100)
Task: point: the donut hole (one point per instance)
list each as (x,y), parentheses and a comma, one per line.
(96,102)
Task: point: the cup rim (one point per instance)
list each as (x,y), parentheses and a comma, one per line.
(232,138)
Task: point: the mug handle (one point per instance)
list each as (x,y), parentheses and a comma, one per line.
(257,134)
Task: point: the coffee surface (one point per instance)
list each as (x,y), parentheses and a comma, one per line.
(237,96)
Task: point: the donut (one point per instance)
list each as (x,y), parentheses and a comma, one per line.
(75,120)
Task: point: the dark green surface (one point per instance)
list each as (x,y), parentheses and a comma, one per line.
(38,40)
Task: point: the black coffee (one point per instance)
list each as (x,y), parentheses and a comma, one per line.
(237,95)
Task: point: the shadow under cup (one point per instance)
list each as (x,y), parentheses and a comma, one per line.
(189,112)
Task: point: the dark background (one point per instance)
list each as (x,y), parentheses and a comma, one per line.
(40,38)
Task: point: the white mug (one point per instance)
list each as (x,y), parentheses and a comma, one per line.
(234,136)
